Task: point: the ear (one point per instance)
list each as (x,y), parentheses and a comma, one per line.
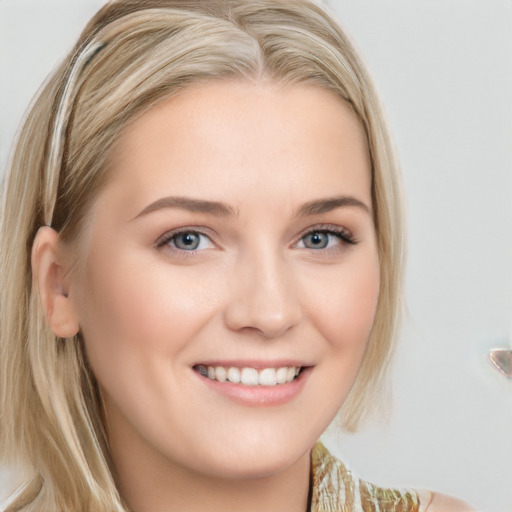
(52,283)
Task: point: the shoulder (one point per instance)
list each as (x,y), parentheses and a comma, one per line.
(335,488)
(444,503)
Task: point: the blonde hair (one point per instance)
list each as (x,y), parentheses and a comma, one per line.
(132,55)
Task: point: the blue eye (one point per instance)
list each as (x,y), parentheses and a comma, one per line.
(316,240)
(187,241)
(324,239)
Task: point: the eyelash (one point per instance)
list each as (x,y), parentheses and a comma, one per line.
(172,235)
(343,235)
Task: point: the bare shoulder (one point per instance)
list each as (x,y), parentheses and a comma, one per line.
(444,503)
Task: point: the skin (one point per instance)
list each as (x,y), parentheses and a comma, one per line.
(253,290)
(443,503)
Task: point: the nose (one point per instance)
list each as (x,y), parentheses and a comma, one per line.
(262,297)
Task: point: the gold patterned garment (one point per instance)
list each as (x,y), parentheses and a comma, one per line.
(337,489)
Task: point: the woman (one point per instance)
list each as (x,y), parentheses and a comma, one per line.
(203,265)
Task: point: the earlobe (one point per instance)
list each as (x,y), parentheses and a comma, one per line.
(51,283)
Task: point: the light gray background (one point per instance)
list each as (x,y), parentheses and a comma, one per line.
(444,69)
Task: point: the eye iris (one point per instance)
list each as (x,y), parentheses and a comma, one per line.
(189,241)
(316,240)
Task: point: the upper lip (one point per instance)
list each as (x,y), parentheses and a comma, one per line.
(250,363)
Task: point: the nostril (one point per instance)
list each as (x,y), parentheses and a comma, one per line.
(266,324)
(262,297)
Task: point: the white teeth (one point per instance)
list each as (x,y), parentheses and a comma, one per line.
(268,377)
(281,375)
(220,374)
(250,376)
(234,375)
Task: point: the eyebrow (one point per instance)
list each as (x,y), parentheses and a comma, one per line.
(315,207)
(326,205)
(192,205)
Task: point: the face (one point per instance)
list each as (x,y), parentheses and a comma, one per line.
(234,241)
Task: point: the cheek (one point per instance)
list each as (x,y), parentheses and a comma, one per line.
(358,303)
(345,309)
(133,310)
(347,306)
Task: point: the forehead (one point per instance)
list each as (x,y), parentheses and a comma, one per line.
(232,137)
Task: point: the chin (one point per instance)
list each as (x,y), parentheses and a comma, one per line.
(252,460)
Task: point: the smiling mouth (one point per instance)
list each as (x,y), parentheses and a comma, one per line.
(250,376)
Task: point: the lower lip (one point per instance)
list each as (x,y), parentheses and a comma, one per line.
(259,395)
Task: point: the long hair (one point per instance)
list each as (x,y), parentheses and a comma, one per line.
(132,55)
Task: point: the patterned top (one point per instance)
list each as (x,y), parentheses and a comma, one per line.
(337,489)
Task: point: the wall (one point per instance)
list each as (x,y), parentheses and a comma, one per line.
(445,73)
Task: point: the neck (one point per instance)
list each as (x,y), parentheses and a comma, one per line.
(148,488)
(153,482)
